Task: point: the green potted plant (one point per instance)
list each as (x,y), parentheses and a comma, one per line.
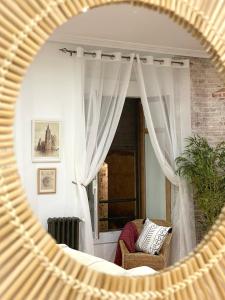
(204,167)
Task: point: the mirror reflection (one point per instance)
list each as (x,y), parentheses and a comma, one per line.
(119,140)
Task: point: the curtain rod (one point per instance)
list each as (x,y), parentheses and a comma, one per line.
(71,52)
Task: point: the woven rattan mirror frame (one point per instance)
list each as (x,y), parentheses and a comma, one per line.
(31,265)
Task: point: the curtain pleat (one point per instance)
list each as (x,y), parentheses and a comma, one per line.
(100,90)
(165,96)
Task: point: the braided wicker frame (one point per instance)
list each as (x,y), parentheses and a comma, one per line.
(31,264)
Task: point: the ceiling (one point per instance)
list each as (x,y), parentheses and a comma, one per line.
(128,27)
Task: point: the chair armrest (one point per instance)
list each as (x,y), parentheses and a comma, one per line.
(123,247)
(144,255)
(166,248)
(124,251)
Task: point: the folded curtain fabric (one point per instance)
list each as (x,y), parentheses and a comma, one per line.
(165,96)
(129,235)
(100,90)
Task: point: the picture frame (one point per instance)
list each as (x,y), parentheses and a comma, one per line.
(46,141)
(46,180)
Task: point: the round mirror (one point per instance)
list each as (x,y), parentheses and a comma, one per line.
(119,137)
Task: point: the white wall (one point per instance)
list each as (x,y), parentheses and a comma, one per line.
(48,93)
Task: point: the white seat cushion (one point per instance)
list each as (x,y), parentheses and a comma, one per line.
(103,265)
(140,271)
(93,262)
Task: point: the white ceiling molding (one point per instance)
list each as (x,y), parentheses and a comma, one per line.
(140,47)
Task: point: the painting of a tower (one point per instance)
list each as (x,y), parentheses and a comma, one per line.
(45,141)
(48,139)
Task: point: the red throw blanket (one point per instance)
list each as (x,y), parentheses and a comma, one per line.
(129,235)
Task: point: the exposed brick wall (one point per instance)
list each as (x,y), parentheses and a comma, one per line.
(208,113)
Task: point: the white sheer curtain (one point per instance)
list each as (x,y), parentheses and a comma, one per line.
(100,90)
(165,96)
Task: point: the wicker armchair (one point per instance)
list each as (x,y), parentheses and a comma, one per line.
(137,259)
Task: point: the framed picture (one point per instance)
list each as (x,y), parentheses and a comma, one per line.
(46,181)
(46,141)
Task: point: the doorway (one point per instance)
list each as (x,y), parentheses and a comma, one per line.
(121,180)
(120,192)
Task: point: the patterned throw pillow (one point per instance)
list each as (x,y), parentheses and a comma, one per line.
(152,237)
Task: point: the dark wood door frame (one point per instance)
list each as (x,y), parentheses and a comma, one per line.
(141,180)
(141,160)
(168,200)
